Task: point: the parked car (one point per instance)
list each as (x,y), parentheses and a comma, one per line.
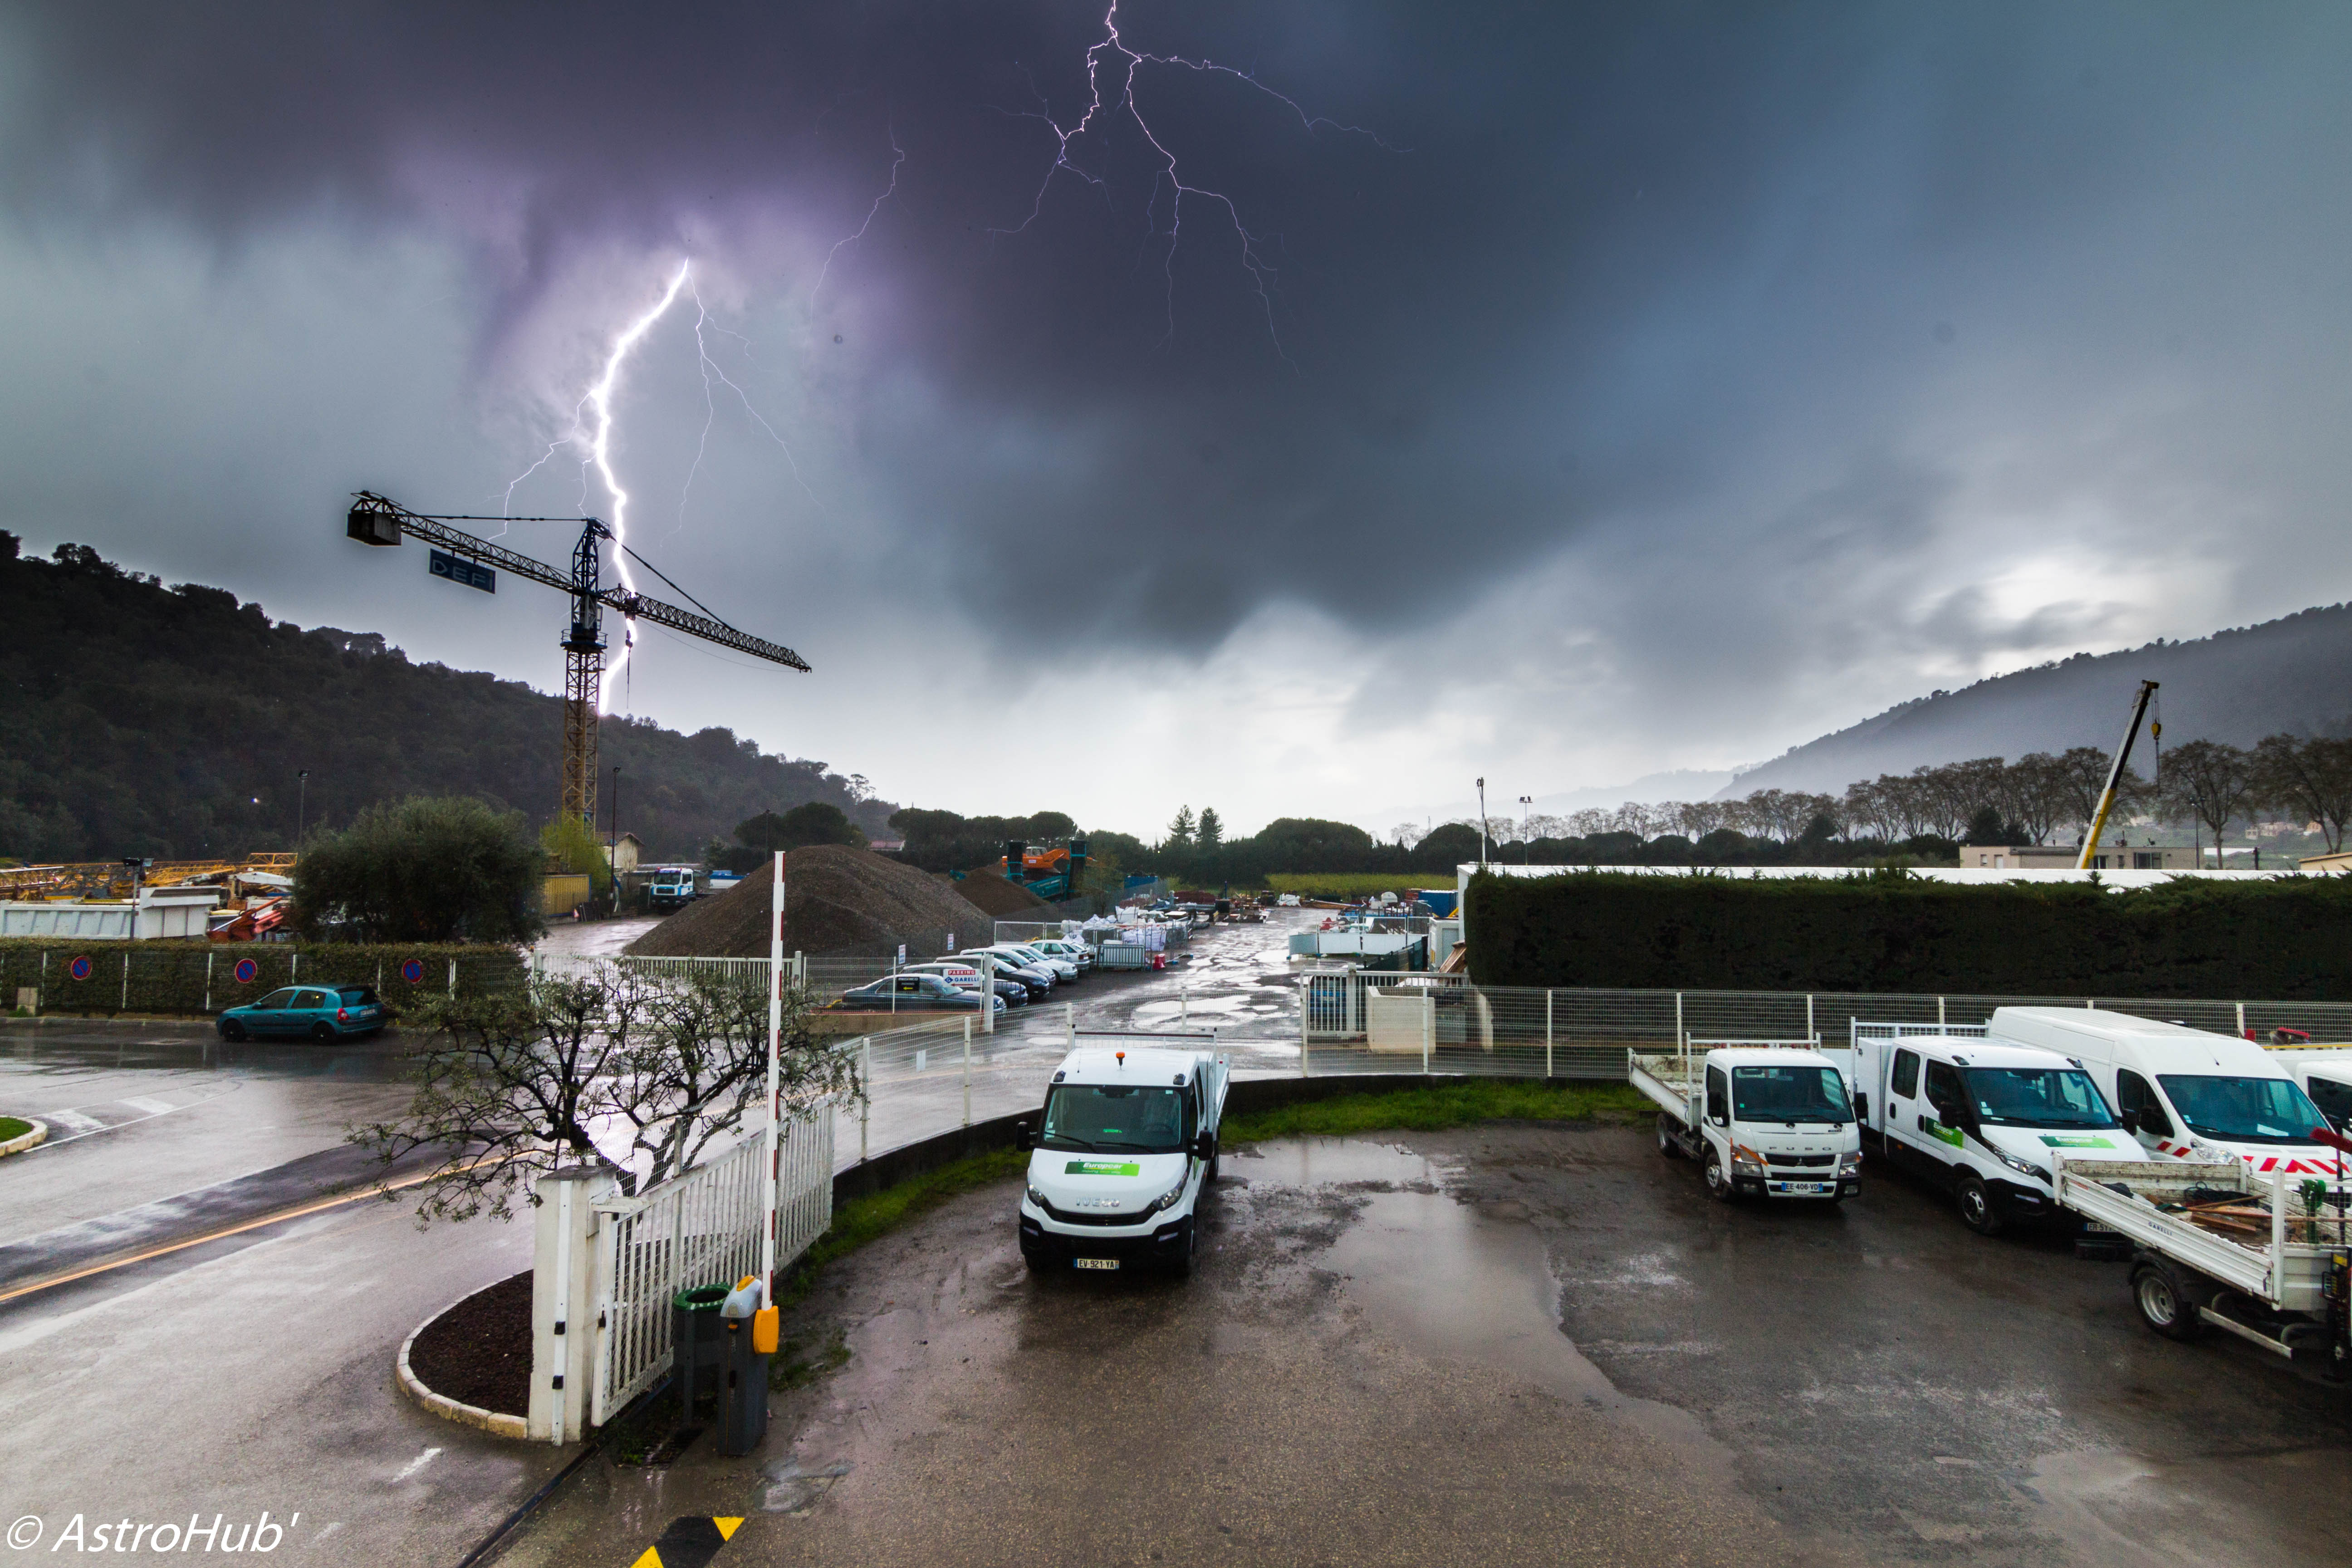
(321,1013)
(1288,901)
(1039,981)
(913,994)
(1027,954)
(1015,992)
(1077,952)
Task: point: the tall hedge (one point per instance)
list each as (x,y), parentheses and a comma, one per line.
(170,977)
(2289,938)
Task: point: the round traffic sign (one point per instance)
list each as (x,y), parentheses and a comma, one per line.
(412,971)
(78,968)
(246,971)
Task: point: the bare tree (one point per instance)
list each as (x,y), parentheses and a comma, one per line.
(2208,780)
(1407,834)
(1697,818)
(606,1067)
(2310,778)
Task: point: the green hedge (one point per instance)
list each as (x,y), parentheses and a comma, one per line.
(2289,940)
(171,976)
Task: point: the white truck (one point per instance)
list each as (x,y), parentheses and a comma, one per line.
(2323,1073)
(2221,1246)
(1766,1117)
(1980,1119)
(1120,1159)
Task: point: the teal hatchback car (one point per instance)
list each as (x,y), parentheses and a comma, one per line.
(307,1012)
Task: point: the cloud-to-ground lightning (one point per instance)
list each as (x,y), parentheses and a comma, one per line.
(591,432)
(1261,270)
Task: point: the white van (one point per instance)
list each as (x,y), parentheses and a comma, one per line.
(1118,1163)
(2325,1073)
(1981,1118)
(2183,1093)
(1764,1119)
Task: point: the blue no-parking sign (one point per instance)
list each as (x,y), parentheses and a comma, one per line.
(412,971)
(78,968)
(246,970)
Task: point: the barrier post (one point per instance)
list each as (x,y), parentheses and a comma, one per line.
(1547,1031)
(1305,1006)
(776,1074)
(866,1082)
(967,1072)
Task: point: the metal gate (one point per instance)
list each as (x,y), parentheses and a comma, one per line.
(699,1228)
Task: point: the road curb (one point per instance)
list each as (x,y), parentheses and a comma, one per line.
(18,1145)
(496,1423)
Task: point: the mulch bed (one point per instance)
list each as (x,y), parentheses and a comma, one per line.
(478,1352)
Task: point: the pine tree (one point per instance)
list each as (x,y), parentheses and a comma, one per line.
(1211,834)
(1179,832)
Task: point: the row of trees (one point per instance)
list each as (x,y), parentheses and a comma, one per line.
(2040,797)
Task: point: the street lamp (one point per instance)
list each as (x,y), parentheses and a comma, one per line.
(613,854)
(1482,825)
(302,804)
(1525,852)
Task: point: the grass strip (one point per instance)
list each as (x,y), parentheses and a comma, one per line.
(1455,1104)
(13,1127)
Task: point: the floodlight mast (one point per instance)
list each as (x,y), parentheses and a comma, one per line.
(373,519)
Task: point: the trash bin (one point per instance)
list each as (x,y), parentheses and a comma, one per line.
(744,1386)
(700,1354)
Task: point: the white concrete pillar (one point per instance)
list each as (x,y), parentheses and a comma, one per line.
(564,1301)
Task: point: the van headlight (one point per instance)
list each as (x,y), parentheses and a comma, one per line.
(1851,1166)
(1747,1161)
(1169,1199)
(2022,1167)
(1037,1198)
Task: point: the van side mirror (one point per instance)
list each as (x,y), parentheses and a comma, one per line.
(1022,1138)
(1861,1106)
(2130,1121)
(1204,1147)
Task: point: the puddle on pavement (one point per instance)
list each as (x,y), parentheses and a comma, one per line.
(1446,1280)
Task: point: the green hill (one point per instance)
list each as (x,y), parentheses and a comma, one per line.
(141,720)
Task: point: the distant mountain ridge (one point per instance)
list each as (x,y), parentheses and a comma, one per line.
(2292,674)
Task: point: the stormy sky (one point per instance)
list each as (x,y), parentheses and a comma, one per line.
(1374,397)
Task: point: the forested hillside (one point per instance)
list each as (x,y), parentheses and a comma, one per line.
(2291,675)
(140,720)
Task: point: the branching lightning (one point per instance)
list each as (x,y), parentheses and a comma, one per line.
(1262,272)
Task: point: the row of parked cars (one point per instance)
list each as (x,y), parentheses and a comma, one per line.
(1024,971)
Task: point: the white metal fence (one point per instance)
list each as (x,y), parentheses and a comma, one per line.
(699,1228)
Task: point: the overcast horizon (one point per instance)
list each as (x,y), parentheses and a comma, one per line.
(1558,397)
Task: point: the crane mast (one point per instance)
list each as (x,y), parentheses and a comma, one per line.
(376,520)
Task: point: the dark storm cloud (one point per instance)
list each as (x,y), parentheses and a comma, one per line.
(1599,266)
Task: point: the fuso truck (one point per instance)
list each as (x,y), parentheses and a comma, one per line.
(1120,1159)
(1764,1119)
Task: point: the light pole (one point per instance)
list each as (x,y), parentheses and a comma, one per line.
(612,851)
(301,804)
(1525,852)
(1482,825)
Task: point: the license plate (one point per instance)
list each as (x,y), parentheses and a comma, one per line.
(2096,1228)
(1094,1262)
(1804,1186)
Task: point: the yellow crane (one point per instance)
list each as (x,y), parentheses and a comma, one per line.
(2115,775)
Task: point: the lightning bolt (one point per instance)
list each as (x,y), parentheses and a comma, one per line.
(1263,273)
(592,432)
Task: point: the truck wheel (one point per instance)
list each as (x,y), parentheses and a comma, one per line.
(1668,1145)
(1978,1211)
(1181,1265)
(2163,1305)
(1718,1180)
(1035,1261)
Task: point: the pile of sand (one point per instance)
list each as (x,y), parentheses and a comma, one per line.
(1003,899)
(836,901)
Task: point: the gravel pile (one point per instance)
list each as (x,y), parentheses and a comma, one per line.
(998,896)
(837,900)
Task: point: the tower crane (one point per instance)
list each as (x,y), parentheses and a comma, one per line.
(2115,775)
(373,519)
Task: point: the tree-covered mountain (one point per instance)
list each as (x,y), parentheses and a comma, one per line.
(2291,675)
(140,720)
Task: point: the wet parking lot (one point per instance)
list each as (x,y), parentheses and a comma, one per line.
(1511,1344)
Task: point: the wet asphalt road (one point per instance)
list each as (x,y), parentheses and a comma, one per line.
(1511,1344)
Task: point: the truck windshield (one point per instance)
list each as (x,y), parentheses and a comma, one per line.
(2037,1097)
(2242,1110)
(1788,1094)
(1092,1116)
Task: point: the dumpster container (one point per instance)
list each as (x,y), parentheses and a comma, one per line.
(743,1391)
(699,1357)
